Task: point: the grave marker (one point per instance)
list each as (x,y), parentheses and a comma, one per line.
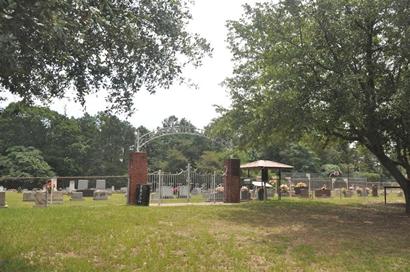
(82,184)
(3,199)
(100,184)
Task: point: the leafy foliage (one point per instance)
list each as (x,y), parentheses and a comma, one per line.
(329,68)
(52,46)
(20,161)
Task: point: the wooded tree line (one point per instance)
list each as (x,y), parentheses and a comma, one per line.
(36,141)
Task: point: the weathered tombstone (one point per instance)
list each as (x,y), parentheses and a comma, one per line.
(28,196)
(124,190)
(183,191)
(100,184)
(3,199)
(72,186)
(77,196)
(40,199)
(82,184)
(113,188)
(100,195)
(166,192)
(56,197)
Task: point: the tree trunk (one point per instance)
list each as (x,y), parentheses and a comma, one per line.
(395,172)
(406,191)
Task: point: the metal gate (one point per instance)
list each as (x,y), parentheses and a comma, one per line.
(185,186)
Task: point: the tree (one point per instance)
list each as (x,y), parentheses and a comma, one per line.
(333,68)
(20,161)
(52,46)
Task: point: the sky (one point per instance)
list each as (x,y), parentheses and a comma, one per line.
(194,104)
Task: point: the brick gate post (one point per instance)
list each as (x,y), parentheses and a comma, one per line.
(137,174)
(232,182)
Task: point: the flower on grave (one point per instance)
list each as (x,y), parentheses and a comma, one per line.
(359,190)
(301,185)
(244,189)
(284,188)
(272,182)
(219,189)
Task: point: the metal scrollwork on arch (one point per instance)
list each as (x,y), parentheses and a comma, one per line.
(142,140)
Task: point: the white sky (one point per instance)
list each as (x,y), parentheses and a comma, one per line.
(196,105)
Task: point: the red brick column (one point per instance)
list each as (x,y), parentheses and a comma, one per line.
(232,182)
(137,173)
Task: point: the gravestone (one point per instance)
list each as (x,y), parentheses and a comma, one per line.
(57,197)
(183,191)
(28,196)
(82,184)
(167,192)
(100,195)
(3,199)
(100,184)
(124,190)
(40,199)
(77,196)
(72,186)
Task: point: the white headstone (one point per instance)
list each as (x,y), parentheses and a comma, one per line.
(54,184)
(112,188)
(72,186)
(2,189)
(100,184)
(82,184)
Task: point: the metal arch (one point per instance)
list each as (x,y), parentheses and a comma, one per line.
(142,140)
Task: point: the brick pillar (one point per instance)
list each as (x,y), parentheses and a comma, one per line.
(232,182)
(137,173)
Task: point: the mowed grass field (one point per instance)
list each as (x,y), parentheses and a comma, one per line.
(288,235)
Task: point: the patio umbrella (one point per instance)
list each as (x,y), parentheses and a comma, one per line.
(264,166)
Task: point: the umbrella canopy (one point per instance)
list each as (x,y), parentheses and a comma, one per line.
(260,184)
(265,164)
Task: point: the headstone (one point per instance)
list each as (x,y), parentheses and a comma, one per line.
(183,191)
(28,196)
(100,195)
(3,199)
(56,197)
(77,196)
(167,191)
(72,186)
(82,184)
(196,191)
(124,190)
(112,189)
(2,189)
(40,199)
(100,184)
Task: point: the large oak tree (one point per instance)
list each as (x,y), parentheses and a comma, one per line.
(49,47)
(334,68)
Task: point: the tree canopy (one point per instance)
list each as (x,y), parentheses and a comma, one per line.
(331,68)
(51,47)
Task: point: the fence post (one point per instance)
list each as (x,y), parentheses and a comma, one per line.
(189,181)
(213,187)
(160,187)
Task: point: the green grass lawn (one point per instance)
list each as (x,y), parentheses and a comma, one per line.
(289,235)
